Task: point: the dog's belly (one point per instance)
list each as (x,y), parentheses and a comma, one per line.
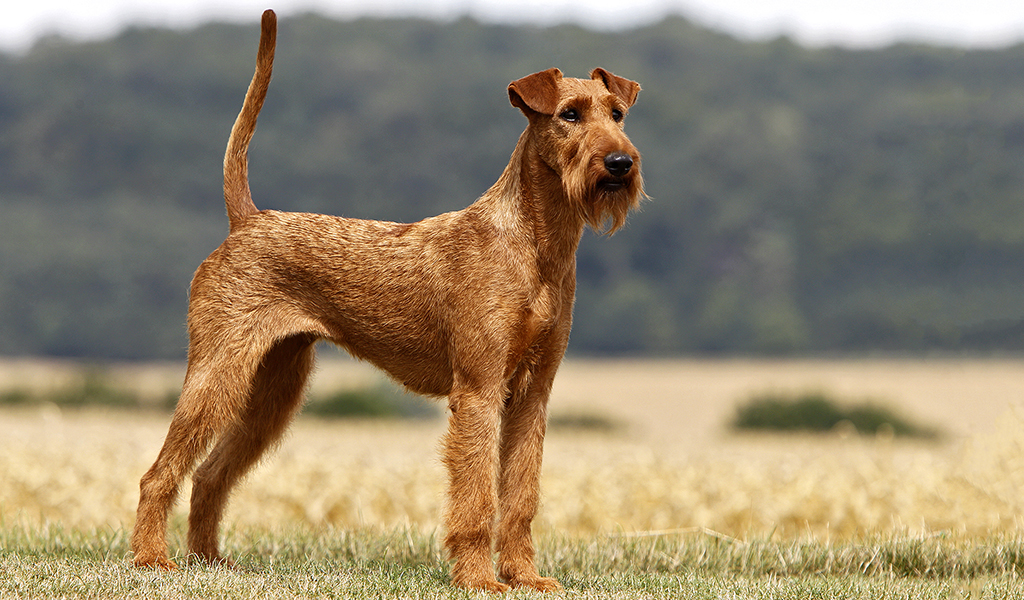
(423,368)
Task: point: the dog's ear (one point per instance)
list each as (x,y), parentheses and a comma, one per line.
(536,93)
(621,87)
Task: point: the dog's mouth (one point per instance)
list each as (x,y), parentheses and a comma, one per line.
(611,185)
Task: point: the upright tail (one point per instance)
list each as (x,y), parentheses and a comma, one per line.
(237,196)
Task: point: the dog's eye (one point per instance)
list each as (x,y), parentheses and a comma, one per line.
(571,115)
(617,115)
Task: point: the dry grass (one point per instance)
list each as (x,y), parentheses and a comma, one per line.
(659,501)
(672,468)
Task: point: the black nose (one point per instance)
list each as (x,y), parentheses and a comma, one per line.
(618,164)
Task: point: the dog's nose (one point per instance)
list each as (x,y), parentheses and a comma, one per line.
(618,163)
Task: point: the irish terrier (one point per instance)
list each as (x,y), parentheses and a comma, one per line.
(474,305)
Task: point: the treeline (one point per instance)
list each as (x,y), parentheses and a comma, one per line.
(803,200)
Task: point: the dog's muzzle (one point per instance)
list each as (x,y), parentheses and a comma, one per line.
(618,164)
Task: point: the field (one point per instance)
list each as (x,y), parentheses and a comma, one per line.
(660,497)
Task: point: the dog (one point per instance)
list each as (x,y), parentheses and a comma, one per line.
(473,305)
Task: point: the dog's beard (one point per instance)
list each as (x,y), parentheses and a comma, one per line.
(601,199)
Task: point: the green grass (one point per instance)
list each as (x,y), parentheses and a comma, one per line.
(52,562)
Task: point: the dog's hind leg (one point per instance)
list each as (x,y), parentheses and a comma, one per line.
(277,393)
(193,427)
(216,388)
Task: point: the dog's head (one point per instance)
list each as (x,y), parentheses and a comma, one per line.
(579,134)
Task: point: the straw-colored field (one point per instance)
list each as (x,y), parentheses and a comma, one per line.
(673,466)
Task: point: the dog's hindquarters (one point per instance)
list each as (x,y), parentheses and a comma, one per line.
(237,196)
(278,387)
(244,383)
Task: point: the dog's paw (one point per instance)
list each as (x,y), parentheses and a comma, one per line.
(482,583)
(155,562)
(540,584)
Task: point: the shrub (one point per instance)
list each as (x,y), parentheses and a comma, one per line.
(584,421)
(92,389)
(378,402)
(815,411)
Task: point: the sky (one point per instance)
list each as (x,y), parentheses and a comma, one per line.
(858,23)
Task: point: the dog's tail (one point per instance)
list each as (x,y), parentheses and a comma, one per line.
(237,196)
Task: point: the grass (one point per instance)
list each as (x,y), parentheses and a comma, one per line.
(82,467)
(52,562)
(646,494)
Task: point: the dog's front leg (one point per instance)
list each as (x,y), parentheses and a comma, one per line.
(471,456)
(522,447)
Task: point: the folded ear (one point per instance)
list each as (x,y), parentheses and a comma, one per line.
(537,92)
(623,88)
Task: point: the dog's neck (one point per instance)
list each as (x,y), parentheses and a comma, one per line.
(529,200)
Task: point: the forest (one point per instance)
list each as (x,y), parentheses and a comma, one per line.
(803,201)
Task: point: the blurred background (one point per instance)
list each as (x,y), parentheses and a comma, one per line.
(821,183)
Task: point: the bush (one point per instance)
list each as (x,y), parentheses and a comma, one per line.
(584,421)
(379,402)
(93,389)
(815,411)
